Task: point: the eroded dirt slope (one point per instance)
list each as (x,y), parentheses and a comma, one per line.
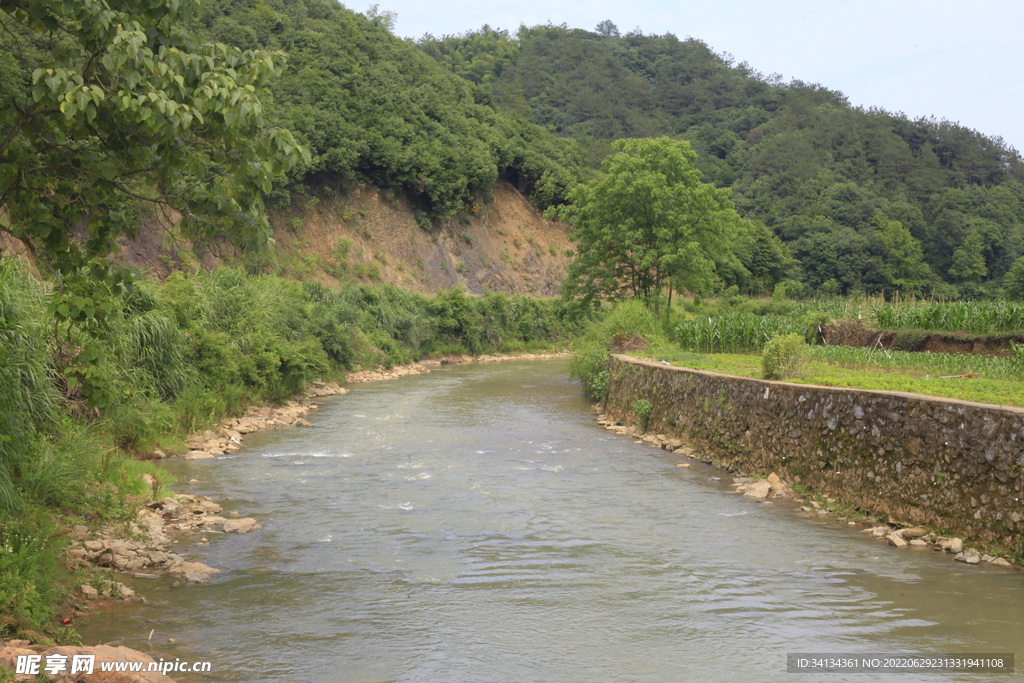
(502,245)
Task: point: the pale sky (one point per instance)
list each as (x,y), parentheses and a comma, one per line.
(956,60)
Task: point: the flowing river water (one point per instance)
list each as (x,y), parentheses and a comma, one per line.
(475,524)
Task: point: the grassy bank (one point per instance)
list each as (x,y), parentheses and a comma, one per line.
(77,402)
(878,370)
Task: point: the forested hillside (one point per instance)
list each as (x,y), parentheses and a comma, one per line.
(372,108)
(865,199)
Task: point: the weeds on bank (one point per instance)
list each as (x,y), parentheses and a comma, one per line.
(628,322)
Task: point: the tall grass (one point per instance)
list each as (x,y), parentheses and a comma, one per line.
(29,400)
(972,317)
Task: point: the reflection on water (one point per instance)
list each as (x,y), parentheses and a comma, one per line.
(474,524)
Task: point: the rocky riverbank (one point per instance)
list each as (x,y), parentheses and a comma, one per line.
(145,549)
(424,366)
(772,487)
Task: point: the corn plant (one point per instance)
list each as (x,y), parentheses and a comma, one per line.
(734,332)
(975,317)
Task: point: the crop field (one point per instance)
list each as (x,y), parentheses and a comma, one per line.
(974,317)
(931,364)
(983,379)
(741,330)
(733,332)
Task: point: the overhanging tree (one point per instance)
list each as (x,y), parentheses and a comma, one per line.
(107,105)
(648,225)
(113,104)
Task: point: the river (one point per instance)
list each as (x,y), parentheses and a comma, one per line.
(475,524)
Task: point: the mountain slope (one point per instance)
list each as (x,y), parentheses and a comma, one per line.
(828,178)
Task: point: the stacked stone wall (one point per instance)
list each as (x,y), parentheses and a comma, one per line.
(955,466)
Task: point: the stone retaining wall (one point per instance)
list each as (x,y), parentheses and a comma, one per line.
(954,466)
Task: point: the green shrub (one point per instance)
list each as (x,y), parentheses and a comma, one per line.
(782,355)
(589,364)
(643,409)
(589,361)
(814,324)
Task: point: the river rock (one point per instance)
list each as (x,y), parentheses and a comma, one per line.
(896,540)
(150,520)
(199,455)
(212,520)
(918,543)
(241,526)
(759,489)
(912,532)
(192,572)
(968,557)
(775,482)
(157,557)
(950,545)
(1000,562)
(880,531)
(88,592)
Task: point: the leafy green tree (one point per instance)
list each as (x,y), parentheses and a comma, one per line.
(116,106)
(904,258)
(647,224)
(969,260)
(1014,280)
(764,258)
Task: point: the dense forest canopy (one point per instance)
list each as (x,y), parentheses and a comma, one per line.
(865,199)
(372,108)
